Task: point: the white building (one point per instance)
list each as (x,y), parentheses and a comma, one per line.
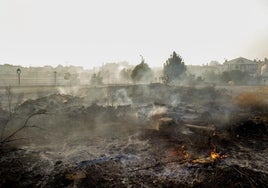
(242,64)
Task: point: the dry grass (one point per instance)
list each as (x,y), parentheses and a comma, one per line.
(252,101)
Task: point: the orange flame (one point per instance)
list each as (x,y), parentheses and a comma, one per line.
(215,156)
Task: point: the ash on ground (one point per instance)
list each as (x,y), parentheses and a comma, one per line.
(139,136)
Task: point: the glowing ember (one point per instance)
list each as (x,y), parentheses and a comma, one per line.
(215,156)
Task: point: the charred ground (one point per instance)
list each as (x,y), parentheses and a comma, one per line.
(138,136)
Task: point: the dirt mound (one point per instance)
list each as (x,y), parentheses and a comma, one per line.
(53,103)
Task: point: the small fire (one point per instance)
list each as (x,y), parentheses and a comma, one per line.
(215,156)
(181,154)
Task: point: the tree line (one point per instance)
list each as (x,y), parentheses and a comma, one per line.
(174,70)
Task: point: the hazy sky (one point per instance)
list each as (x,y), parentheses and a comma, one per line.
(92,32)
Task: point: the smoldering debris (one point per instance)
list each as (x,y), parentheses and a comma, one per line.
(179,137)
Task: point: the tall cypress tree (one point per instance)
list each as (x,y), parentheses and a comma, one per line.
(174,68)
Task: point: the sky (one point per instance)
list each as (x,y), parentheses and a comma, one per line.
(90,33)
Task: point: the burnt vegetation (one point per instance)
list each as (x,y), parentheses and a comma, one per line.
(181,136)
(145,134)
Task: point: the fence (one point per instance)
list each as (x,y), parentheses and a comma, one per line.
(7,79)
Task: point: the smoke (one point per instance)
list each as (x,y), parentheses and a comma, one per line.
(175,100)
(121,98)
(78,132)
(72,90)
(75,120)
(157,111)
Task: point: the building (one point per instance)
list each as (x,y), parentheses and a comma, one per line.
(242,64)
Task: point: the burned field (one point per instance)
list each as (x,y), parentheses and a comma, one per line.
(137,136)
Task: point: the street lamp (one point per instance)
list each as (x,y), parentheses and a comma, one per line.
(18,73)
(55,77)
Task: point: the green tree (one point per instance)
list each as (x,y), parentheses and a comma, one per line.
(142,73)
(174,68)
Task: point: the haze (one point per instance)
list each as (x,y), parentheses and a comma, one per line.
(90,33)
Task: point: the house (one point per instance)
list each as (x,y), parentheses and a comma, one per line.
(242,64)
(264,73)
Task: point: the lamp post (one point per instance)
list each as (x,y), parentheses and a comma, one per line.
(18,73)
(55,78)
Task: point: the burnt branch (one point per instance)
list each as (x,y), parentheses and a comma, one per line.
(25,125)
